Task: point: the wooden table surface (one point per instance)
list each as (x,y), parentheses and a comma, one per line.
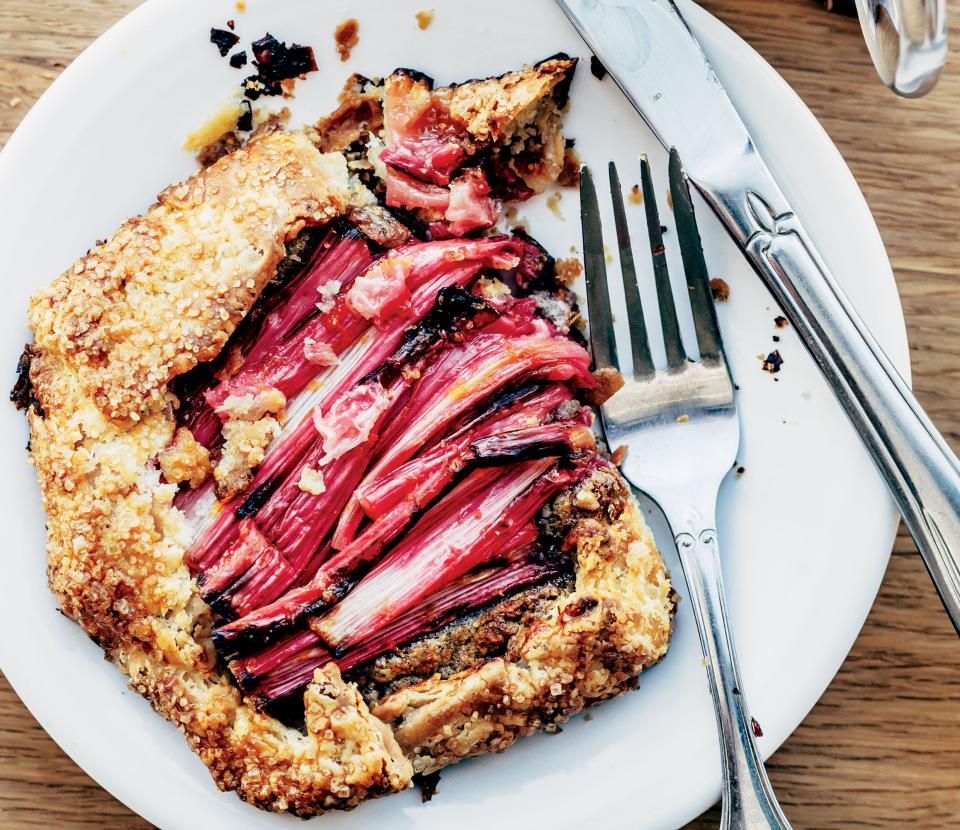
(882,747)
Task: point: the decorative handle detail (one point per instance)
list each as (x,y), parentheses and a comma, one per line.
(921,470)
(769,224)
(748,802)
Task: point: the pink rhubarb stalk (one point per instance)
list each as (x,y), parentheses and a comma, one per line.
(460,380)
(337,261)
(463,596)
(429,266)
(288,666)
(455,536)
(433,266)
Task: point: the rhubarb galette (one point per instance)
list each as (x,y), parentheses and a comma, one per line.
(315,454)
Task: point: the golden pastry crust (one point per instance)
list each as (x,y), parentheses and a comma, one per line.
(116,544)
(587,646)
(494,109)
(115,549)
(169,287)
(185,460)
(244,448)
(115,563)
(345,757)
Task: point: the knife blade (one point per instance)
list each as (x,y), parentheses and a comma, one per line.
(649,50)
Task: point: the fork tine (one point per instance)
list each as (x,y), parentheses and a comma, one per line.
(602,337)
(639,343)
(668,310)
(694,266)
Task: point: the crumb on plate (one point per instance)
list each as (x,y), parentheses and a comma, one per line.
(346,36)
(567,270)
(570,173)
(597,69)
(553,202)
(213,129)
(772,362)
(720,289)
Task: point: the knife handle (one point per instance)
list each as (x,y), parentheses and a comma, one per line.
(923,474)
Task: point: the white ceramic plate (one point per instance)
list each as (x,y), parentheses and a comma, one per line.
(806,529)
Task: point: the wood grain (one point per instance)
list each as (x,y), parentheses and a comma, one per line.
(882,747)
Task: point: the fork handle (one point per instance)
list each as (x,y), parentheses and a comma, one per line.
(923,474)
(748,799)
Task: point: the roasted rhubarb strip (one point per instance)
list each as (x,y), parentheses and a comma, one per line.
(299,520)
(249,545)
(427,266)
(560,437)
(298,517)
(270,669)
(421,137)
(280,312)
(460,380)
(248,671)
(451,309)
(252,568)
(270,622)
(290,676)
(439,550)
(339,263)
(422,478)
(462,597)
(267,578)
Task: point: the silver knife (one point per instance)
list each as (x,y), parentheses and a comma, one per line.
(648,49)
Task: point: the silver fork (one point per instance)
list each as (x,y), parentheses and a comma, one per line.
(682,433)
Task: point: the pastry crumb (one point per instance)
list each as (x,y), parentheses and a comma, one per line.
(185,460)
(780,321)
(223,121)
(346,36)
(311,481)
(568,270)
(554,204)
(425,18)
(636,195)
(772,362)
(720,290)
(609,382)
(570,173)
